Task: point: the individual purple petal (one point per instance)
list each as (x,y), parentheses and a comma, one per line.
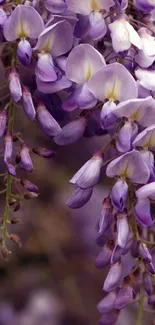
(56,6)
(119,194)
(137,110)
(124,297)
(104,257)
(130,165)
(46,122)
(107,303)
(28,104)
(24,52)
(142,213)
(113,278)
(24,22)
(8,147)
(89,173)
(3,122)
(81,98)
(45,70)
(125,136)
(122,230)
(146,191)
(108,82)
(146,139)
(53,87)
(106,216)
(147,281)
(89,61)
(108,119)
(121,4)
(71,132)
(144,252)
(108,318)
(70,16)
(97,27)
(56,39)
(123,35)
(15,86)
(79,197)
(26,161)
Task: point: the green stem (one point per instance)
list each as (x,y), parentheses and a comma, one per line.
(8,182)
(6,212)
(141,307)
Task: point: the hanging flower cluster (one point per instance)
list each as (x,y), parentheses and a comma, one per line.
(96,58)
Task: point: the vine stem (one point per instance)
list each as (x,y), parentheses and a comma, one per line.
(8,181)
(6,212)
(141,307)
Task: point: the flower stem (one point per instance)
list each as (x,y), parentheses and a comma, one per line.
(141,307)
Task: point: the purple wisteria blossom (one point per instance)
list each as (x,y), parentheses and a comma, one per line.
(86,69)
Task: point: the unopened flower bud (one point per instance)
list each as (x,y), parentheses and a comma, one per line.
(5,252)
(17,206)
(113,278)
(28,104)
(124,297)
(26,161)
(79,197)
(46,121)
(144,252)
(15,238)
(30,195)
(43,152)
(107,303)
(8,147)
(14,221)
(24,52)
(15,86)
(104,257)
(147,281)
(150,267)
(12,201)
(122,229)
(106,216)
(29,186)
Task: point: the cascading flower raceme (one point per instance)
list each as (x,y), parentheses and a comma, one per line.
(92,65)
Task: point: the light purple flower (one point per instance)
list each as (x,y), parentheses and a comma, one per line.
(56,6)
(122,230)
(46,122)
(79,197)
(147,283)
(142,213)
(108,83)
(85,8)
(28,104)
(88,175)
(26,161)
(106,216)
(24,22)
(144,252)
(15,86)
(125,136)
(107,303)
(24,52)
(8,147)
(71,132)
(146,139)
(3,121)
(113,278)
(104,257)
(137,110)
(124,35)
(119,194)
(131,166)
(124,297)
